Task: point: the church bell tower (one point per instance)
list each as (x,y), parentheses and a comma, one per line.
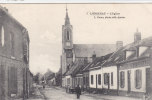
(67,44)
(67,38)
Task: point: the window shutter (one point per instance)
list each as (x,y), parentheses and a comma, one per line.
(91,79)
(104,78)
(99,79)
(138,79)
(111,78)
(122,79)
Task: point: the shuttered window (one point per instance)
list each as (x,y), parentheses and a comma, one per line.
(122,79)
(106,79)
(99,79)
(79,81)
(84,80)
(87,80)
(138,79)
(111,78)
(12,80)
(75,81)
(68,81)
(91,79)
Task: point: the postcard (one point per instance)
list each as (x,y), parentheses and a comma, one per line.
(70,51)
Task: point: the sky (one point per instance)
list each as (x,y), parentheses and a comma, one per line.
(44,24)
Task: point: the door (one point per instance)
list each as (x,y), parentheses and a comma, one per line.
(2,79)
(129,80)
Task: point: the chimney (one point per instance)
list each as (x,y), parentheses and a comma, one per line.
(5,9)
(93,56)
(137,36)
(119,44)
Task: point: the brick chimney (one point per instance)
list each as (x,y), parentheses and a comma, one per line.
(93,56)
(119,44)
(5,9)
(137,36)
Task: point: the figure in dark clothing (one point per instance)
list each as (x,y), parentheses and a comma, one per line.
(78,91)
(43,83)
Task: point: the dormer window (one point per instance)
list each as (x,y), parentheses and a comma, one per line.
(129,53)
(142,49)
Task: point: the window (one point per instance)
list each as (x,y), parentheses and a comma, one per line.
(91,79)
(12,43)
(138,79)
(84,80)
(99,79)
(2,36)
(79,81)
(75,81)
(111,78)
(68,35)
(68,81)
(106,78)
(122,79)
(87,80)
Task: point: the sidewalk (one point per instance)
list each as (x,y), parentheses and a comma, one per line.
(109,97)
(36,95)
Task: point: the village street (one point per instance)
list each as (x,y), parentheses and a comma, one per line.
(57,93)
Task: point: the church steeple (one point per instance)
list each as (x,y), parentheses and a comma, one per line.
(67,33)
(67,44)
(67,20)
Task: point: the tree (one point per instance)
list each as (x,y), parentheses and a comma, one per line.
(36,78)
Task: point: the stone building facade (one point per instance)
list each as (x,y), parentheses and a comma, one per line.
(14,58)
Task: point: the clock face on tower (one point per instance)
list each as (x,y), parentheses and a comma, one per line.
(67,43)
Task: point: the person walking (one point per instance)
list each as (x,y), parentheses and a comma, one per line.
(78,91)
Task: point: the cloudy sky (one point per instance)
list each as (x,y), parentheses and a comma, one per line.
(44,23)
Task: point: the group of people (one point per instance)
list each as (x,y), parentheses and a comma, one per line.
(77,91)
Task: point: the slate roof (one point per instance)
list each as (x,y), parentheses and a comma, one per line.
(97,64)
(86,50)
(86,68)
(76,67)
(119,55)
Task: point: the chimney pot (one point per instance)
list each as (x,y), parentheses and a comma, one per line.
(137,36)
(119,44)
(93,56)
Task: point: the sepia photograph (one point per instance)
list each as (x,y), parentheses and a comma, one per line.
(76,51)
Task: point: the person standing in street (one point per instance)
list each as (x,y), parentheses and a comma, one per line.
(78,91)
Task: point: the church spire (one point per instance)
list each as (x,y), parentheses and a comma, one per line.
(67,20)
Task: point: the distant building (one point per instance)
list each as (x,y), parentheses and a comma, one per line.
(15,77)
(71,53)
(108,69)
